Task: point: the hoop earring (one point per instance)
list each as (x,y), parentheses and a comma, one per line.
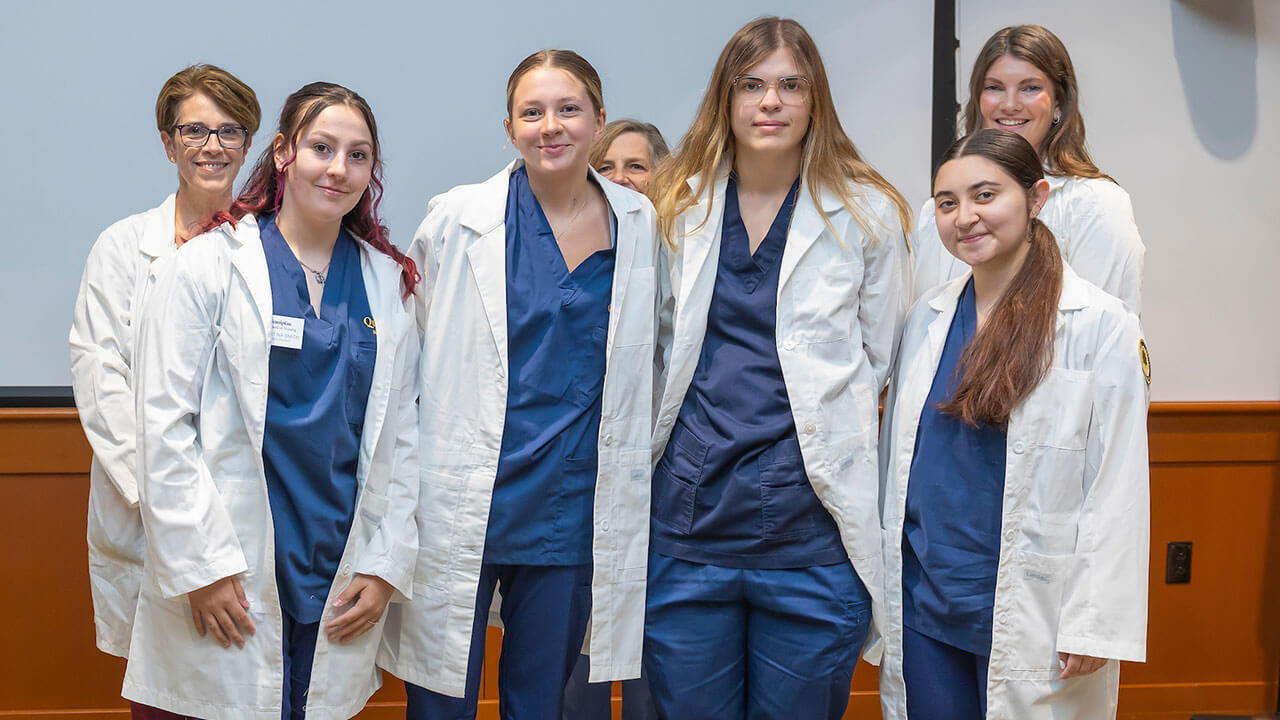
(1057,118)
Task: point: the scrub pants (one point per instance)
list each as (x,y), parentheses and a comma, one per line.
(544,611)
(731,643)
(943,682)
(593,701)
(299,654)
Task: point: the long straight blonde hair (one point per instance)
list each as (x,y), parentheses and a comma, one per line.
(830,159)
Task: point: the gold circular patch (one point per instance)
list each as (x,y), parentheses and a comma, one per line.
(1145,358)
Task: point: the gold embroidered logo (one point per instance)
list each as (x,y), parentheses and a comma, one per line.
(368,322)
(1145,358)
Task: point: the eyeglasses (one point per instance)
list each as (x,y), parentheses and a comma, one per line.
(793,90)
(230,137)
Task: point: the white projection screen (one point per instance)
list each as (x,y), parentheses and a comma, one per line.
(81,80)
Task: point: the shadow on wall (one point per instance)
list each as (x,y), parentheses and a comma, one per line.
(1215,43)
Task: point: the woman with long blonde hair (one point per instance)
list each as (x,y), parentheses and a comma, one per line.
(788,273)
(1023,81)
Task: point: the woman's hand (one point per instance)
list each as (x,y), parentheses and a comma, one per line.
(1079,665)
(221,608)
(371,595)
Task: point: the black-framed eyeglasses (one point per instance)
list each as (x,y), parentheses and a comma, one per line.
(793,90)
(230,137)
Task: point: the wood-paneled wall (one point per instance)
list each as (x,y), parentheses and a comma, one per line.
(1214,644)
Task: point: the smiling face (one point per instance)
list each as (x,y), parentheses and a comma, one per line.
(768,121)
(1018,96)
(204,171)
(553,122)
(332,166)
(983,214)
(628,161)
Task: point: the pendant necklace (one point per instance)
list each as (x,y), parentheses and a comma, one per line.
(318,274)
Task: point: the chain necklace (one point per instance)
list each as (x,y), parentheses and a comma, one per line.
(320,274)
(572,219)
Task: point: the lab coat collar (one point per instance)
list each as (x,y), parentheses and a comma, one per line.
(488,208)
(157,239)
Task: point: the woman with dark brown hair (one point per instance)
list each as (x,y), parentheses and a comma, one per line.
(1023,81)
(1014,463)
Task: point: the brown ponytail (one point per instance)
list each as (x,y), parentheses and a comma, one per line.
(1013,351)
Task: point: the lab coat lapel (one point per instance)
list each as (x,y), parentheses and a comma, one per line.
(157,239)
(487,253)
(808,220)
(626,211)
(382,287)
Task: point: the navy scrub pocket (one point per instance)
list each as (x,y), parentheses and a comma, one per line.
(675,480)
(789,507)
(359,379)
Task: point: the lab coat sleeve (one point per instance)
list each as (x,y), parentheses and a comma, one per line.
(392,552)
(1108,250)
(1104,612)
(885,293)
(422,252)
(191,541)
(100,367)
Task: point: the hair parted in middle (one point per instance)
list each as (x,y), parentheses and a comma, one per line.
(264,189)
(1013,351)
(566,60)
(657,144)
(1064,150)
(830,159)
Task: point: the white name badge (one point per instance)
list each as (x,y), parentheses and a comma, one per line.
(286,332)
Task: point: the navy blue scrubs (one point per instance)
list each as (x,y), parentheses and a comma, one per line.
(316,399)
(753,606)
(538,542)
(951,538)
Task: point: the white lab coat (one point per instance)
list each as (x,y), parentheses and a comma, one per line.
(202,375)
(1092,219)
(1073,553)
(120,268)
(842,299)
(461,249)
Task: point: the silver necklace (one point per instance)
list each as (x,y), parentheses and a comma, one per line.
(573,219)
(320,274)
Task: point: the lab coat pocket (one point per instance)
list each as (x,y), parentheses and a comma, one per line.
(1025,625)
(825,302)
(1052,429)
(790,508)
(676,479)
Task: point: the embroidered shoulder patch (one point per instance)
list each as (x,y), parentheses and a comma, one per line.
(1145,358)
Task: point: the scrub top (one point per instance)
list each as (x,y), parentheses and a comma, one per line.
(731,487)
(316,398)
(557,324)
(955,496)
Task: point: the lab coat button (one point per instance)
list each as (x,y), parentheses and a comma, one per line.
(1008,534)
(346,569)
(608,440)
(666,420)
(810,428)
(1018,447)
(789,345)
(604,525)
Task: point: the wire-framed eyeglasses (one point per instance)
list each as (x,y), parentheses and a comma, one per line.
(230,137)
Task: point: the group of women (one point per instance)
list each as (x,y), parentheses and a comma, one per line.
(643,430)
